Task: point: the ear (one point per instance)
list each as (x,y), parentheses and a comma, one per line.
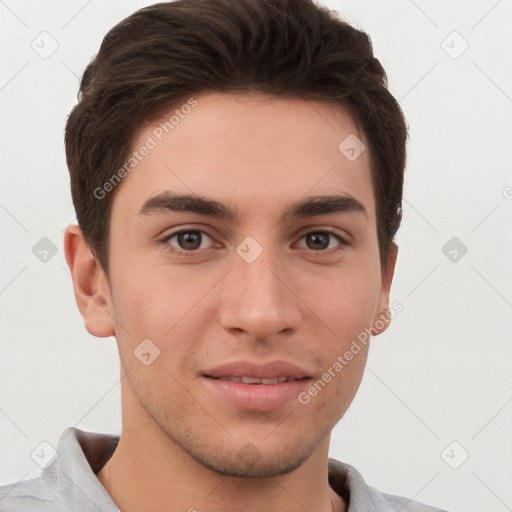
(383,319)
(90,283)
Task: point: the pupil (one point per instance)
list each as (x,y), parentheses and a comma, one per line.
(190,237)
(317,237)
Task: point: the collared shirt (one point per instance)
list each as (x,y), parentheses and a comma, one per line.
(70,483)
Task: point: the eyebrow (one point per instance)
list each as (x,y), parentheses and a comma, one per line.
(307,207)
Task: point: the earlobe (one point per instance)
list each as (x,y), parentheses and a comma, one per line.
(383,319)
(90,284)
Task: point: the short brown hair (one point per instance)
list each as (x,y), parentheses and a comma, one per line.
(163,54)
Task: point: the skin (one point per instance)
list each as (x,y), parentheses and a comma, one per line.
(182,444)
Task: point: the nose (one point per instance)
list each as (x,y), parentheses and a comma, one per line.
(258,300)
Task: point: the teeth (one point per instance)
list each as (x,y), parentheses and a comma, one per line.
(250,380)
(253,380)
(232,379)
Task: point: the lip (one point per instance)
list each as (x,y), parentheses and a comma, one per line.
(269,370)
(256,397)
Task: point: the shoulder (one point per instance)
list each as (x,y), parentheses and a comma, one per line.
(392,503)
(31,495)
(68,482)
(348,482)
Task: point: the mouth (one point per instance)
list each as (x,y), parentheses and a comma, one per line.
(250,386)
(255,380)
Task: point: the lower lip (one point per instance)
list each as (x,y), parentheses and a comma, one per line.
(256,397)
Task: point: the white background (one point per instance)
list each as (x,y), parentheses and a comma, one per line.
(441,373)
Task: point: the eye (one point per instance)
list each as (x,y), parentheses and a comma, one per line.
(187,241)
(321,240)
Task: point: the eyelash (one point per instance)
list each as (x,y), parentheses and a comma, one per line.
(168,247)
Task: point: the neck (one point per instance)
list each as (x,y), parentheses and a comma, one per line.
(131,495)
(137,478)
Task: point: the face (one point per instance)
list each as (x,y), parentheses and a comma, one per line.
(248,280)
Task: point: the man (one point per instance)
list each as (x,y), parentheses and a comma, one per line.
(237,170)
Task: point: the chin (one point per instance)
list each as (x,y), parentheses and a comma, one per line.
(250,462)
(251,459)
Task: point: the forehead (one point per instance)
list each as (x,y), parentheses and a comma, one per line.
(254,150)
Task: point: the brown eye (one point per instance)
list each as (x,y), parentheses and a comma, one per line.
(189,240)
(321,240)
(186,241)
(317,241)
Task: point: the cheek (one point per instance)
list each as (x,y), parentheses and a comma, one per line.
(137,306)
(161,304)
(343,303)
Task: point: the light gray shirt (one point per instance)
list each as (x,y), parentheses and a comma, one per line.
(69,483)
